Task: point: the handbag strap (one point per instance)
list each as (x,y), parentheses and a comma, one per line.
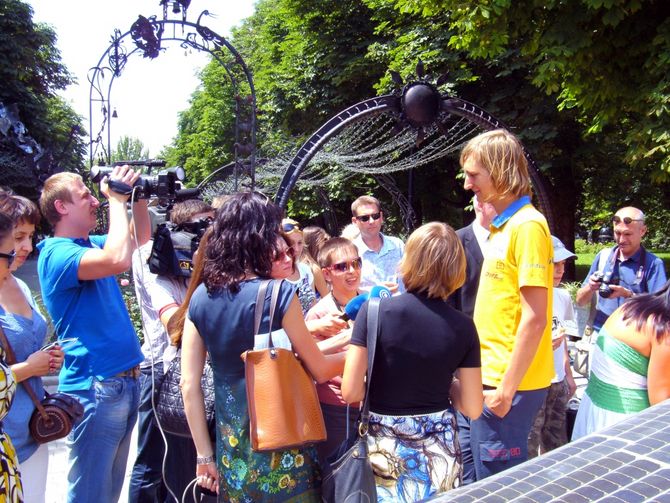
(11,360)
(373,330)
(260,307)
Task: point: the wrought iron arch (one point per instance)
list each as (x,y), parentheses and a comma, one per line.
(148,35)
(418,106)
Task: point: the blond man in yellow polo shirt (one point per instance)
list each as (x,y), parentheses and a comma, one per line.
(513,306)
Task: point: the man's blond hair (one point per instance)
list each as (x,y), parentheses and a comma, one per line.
(501,154)
(57,187)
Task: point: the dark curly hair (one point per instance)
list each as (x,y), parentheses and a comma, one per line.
(243,241)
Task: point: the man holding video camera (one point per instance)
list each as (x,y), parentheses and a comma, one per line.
(101,369)
(621,272)
(159,295)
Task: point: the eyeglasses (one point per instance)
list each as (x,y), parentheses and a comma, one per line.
(626,220)
(344,266)
(287,227)
(9,256)
(365,218)
(282,255)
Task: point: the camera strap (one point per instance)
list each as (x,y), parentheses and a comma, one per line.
(120,187)
(612,264)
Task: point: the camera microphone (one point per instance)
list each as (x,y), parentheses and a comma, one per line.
(354,305)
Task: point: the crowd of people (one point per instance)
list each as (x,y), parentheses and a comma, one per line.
(471,372)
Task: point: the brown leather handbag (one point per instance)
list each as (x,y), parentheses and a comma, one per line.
(284,409)
(55,415)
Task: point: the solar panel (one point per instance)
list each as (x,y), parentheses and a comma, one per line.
(627,462)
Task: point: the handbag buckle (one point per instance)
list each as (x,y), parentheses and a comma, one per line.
(362,429)
(273,353)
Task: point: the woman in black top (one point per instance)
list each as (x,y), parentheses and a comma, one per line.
(427,363)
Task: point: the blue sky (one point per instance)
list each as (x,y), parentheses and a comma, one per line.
(150,93)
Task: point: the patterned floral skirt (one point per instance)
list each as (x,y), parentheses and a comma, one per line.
(414,457)
(245,476)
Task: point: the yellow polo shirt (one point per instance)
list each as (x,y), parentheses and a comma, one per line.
(519,253)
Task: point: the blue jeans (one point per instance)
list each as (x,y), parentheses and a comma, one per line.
(147,484)
(99,443)
(500,443)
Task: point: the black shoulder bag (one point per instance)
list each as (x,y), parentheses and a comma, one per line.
(348,474)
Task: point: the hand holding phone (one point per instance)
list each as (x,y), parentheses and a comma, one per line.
(61,342)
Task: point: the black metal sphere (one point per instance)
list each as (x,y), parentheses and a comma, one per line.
(421,103)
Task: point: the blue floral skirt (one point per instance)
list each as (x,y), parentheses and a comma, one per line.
(414,457)
(292,475)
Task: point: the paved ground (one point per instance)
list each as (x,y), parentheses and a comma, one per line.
(58,452)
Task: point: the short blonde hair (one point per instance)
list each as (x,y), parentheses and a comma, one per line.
(364,200)
(501,154)
(434,261)
(57,187)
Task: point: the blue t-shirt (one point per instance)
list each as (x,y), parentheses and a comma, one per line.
(632,274)
(91,310)
(382,266)
(26,335)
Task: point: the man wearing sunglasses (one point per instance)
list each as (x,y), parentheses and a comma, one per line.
(627,269)
(381,254)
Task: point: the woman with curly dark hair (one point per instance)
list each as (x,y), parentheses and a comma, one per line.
(239,252)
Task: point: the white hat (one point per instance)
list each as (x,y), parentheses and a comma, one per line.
(560,251)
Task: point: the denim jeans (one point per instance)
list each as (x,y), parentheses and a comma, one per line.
(99,443)
(500,443)
(147,484)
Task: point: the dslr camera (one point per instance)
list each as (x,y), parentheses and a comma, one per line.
(605,279)
(164,184)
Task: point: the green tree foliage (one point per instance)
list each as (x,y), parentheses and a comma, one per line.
(31,72)
(584,84)
(607,59)
(206,130)
(129,149)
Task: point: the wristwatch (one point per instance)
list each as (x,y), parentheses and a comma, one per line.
(204,460)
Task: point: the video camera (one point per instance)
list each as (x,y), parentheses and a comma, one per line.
(165,184)
(174,246)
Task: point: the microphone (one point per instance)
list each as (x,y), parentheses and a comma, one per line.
(354,305)
(380,291)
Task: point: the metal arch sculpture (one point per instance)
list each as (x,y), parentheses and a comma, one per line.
(418,105)
(148,35)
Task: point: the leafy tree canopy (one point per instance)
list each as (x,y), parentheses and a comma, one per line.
(608,59)
(31,72)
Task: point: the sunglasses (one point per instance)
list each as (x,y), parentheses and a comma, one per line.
(344,266)
(279,256)
(626,220)
(365,218)
(287,227)
(9,256)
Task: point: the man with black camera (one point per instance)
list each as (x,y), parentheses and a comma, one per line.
(77,276)
(159,295)
(623,271)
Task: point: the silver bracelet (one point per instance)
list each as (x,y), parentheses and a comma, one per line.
(205,460)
